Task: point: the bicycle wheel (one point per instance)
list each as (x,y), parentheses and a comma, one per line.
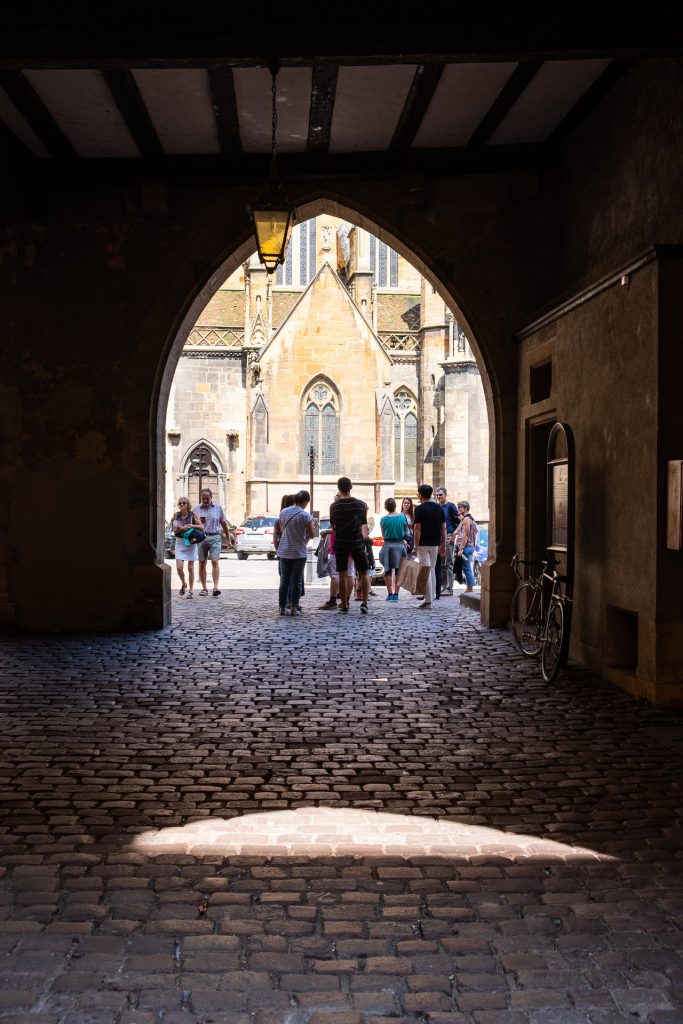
(552,645)
(526,618)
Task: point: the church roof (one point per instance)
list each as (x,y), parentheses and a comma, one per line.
(283,303)
(224,309)
(397,312)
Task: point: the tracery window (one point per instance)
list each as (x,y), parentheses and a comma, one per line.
(405,436)
(384,263)
(321,429)
(300,260)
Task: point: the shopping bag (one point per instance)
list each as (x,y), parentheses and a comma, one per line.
(412,576)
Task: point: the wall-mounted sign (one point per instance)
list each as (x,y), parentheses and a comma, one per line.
(560,497)
(559,506)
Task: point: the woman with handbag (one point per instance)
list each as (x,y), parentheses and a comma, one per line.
(393,528)
(185,521)
(296,528)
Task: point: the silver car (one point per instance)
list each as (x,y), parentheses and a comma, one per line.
(255,536)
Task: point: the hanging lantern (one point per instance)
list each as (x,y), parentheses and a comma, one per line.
(272,214)
(273,219)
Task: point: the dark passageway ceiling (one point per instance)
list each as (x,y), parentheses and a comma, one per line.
(87,96)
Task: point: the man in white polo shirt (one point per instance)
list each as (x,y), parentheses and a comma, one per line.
(213,523)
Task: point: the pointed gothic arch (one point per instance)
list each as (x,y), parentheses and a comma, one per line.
(320,411)
(405,436)
(202,467)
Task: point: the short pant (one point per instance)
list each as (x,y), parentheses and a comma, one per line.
(210,547)
(333,567)
(357,553)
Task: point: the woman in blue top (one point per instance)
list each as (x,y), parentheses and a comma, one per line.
(393,527)
(295,527)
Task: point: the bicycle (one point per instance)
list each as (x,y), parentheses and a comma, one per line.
(539,615)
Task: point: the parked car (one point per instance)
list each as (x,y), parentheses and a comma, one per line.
(169,543)
(255,535)
(482,552)
(377,575)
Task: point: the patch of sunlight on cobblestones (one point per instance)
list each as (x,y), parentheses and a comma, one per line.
(327,831)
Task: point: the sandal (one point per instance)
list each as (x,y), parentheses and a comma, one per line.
(182,590)
(329,604)
(344,609)
(364,609)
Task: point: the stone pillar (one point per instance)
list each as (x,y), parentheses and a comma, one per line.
(360,272)
(433,341)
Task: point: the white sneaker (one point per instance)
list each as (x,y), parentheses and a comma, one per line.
(424,605)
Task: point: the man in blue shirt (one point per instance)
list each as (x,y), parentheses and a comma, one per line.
(452,523)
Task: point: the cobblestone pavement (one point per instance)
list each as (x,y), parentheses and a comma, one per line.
(331,820)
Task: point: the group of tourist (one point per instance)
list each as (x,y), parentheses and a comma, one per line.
(438,534)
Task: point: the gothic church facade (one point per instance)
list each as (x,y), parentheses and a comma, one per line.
(346,358)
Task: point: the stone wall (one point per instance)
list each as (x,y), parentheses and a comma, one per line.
(98,298)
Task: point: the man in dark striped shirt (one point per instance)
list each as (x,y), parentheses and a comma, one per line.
(349,520)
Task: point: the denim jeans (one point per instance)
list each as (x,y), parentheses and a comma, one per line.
(467,553)
(291,580)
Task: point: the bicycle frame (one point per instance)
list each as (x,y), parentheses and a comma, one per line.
(539,617)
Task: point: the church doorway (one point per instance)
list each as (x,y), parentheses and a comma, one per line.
(201,471)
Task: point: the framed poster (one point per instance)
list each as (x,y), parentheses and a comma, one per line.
(559,506)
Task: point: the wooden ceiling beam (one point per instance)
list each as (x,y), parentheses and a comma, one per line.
(224,104)
(124,89)
(323,94)
(612,74)
(31,107)
(420,94)
(504,102)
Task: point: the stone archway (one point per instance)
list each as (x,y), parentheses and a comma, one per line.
(428,265)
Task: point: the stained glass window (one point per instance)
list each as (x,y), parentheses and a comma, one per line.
(289,262)
(393,269)
(329,440)
(311,435)
(382,275)
(410,447)
(321,430)
(311,249)
(303,253)
(405,437)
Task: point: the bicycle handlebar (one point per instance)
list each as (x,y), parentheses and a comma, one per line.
(545,563)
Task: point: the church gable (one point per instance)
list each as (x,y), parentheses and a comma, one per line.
(326,319)
(324,341)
